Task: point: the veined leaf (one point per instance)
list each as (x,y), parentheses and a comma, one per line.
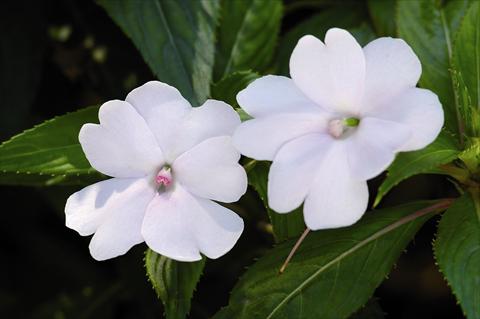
(174,282)
(341,17)
(49,153)
(227,88)
(248,34)
(284,225)
(457,250)
(333,273)
(442,151)
(466,64)
(429,28)
(175,38)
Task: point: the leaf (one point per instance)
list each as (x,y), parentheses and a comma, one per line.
(468,112)
(471,159)
(333,273)
(173,281)
(457,251)
(466,63)
(284,225)
(49,153)
(247,35)
(175,38)
(429,28)
(442,151)
(340,17)
(382,13)
(227,89)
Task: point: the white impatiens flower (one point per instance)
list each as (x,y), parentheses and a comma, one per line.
(170,163)
(336,123)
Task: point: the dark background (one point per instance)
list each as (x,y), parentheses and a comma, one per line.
(59,56)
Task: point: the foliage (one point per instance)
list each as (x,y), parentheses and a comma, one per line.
(428,160)
(429,27)
(284,225)
(176,39)
(466,63)
(214,49)
(173,281)
(247,36)
(457,251)
(227,88)
(333,274)
(49,153)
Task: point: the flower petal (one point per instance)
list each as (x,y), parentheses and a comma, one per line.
(372,148)
(213,118)
(331,74)
(261,138)
(122,145)
(335,198)
(420,110)
(217,228)
(163,108)
(272,94)
(112,209)
(176,125)
(293,170)
(391,67)
(211,170)
(180,225)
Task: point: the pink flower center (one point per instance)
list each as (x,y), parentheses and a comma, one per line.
(338,128)
(164,177)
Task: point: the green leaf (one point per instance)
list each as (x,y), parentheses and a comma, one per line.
(174,282)
(49,153)
(333,273)
(429,28)
(471,159)
(346,16)
(466,63)
(468,112)
(442,151)
(382,13)
(247,36)
(284,225)
(175,38)
(457,250)
(227,89)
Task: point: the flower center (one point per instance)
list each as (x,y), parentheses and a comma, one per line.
(164,177)
(340,127)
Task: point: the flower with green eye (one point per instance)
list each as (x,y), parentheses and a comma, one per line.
(339,121)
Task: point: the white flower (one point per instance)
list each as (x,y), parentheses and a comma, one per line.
(170,162)
(337,123)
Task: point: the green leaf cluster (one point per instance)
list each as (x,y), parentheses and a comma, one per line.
(214,49)
(334,273)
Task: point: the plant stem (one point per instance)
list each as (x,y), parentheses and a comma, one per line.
(438,206)
(294,249)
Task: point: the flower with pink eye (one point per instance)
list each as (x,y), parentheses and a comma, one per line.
(170,165)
